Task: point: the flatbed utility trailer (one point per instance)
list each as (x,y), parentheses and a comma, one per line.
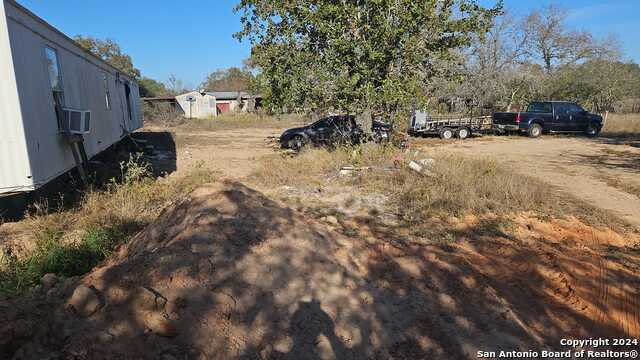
(447,127)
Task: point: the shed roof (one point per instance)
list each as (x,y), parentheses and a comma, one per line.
(232,95)
(159,98)
(227,95)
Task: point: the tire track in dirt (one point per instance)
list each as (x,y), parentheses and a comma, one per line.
(603,283)
(617,299)
(562,285)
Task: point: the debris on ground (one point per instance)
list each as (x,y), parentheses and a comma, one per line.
(351,170)
(422,166)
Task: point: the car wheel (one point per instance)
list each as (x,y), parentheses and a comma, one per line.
(535,130)
(446,134)
(462,133)
(297,143)
(592,130)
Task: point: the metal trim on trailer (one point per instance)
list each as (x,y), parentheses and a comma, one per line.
(435,124)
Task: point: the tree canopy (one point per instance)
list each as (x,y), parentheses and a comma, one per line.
(109,51)
(355,55)
(152,88)
(231,79)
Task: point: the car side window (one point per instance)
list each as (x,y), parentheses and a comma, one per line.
(575,108)
(324,123)
(562,109)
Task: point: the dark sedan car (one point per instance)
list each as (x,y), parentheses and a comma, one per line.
(329,131)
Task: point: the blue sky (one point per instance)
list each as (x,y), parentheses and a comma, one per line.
(191,39)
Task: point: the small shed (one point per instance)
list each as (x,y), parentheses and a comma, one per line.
(55,98)
(197,105)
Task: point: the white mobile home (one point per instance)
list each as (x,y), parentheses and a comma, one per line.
(52,91)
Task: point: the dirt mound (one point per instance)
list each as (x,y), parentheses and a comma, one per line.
(229,273)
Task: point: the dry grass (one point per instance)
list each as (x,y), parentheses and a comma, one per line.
(622,125)
(71,242)
(317,166)
(455,186)
(240,121)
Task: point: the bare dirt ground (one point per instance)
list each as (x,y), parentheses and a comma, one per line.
(231,272)
(232,152)
(603,172)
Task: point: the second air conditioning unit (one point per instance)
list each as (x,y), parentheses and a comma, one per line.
(75,121)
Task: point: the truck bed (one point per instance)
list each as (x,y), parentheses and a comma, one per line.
(505,118)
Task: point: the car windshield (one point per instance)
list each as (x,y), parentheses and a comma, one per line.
(326,122)
(539,107)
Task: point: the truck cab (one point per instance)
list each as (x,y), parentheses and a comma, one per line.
(549,116)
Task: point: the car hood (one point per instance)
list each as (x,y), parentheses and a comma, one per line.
(291,132)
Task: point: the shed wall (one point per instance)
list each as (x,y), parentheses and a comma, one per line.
(84,88)
(203,107)
(15,173)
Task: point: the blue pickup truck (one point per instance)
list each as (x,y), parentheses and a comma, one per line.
(549,116)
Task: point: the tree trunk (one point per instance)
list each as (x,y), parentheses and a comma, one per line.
(365,120)
(315,115)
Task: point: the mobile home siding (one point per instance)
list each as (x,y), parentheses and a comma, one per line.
(84,88)
(15,172)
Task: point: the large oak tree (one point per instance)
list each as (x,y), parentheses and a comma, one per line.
(355,55)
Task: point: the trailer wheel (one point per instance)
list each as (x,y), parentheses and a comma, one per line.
(446,134)
(462,133)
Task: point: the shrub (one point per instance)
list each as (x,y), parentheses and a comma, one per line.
(162,114)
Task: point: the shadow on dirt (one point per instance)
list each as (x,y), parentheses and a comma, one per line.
(66,190)
(611,159)
(620,139)
(234,274)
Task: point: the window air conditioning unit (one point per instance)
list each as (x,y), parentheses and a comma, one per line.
(75,121)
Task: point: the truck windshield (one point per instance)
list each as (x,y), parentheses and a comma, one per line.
(539,107)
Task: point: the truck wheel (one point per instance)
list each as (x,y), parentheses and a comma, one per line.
(592,130)
(535,130)
(462,133)
(446,134)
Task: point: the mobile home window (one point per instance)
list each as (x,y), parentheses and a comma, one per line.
(55,78)
(107,94)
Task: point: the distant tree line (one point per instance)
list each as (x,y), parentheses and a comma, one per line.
(539,57)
